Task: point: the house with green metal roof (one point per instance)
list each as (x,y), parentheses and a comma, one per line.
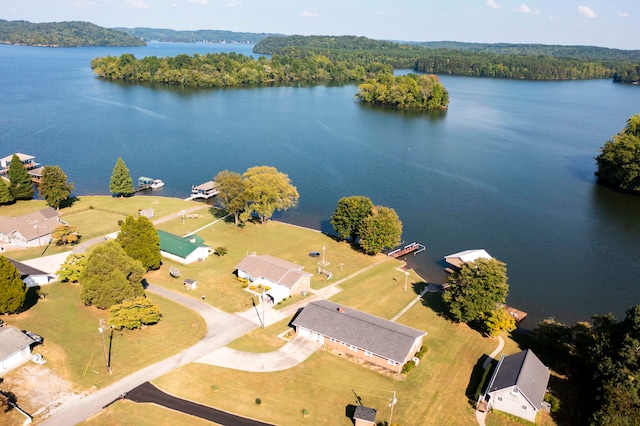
(183,249)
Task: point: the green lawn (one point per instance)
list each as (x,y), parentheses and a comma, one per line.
(72,343)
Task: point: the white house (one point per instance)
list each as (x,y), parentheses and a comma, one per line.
(29,230)
(15,348)
(518,385)
(184,250)
(31,276)
(283,278)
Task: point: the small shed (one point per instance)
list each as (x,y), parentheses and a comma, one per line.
(148,213)
(190,284)
(364,416)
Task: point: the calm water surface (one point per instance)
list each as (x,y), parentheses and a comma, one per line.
(508,168)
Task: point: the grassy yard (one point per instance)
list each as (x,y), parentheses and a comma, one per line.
(216,278)
(72,344)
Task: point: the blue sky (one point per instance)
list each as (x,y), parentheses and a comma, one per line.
(609,23)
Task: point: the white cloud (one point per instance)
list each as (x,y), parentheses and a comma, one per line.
(493,5)
(623,14)
(587,12)
(138,4)
(308,14)
(201,2)
(85,3)
(526,9)
(234,3)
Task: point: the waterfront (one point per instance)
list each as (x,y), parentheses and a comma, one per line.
(508,168)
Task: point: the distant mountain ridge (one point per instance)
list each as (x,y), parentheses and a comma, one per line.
(63,34)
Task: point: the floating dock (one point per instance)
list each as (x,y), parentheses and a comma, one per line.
(517,314)
(414,248)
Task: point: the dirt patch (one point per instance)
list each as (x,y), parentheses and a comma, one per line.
(38,389)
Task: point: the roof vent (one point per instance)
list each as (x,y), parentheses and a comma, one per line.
(192,240)
(341,309)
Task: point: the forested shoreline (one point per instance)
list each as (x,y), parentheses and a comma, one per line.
(530,62)
(63,34)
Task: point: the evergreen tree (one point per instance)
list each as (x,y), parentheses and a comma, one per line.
(121,183)
(140,240)
(54,187)
(13,290)
(6,196)
(103,288)
(20,181)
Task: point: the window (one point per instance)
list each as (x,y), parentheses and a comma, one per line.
(343,344)
(332,339)
(367,353)
(524,407)
(391,362)
(499,398)
(353,348)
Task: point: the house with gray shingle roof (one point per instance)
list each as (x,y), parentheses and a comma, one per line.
(15,348)
(31,276)
(365,336)
(29,230)
(284,279)
(518,385)
(183,249)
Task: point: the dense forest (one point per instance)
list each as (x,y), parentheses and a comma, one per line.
(532,62)
(63,34)
(232,69)
(198,36)
(405,91)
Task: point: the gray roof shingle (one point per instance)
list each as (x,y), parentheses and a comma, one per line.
(12,340)
(367,332)
(365,413)
(525,371)
(273,269)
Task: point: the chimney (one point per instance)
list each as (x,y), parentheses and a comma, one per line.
(341,309)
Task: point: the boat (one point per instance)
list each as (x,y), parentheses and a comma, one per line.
(157,184)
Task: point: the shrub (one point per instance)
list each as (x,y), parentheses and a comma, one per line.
(258,401)
(553,401)
(304,412)
(214,388)
(422,352)
(220,251)
(408,367)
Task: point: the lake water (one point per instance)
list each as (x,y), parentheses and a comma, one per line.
(509,167)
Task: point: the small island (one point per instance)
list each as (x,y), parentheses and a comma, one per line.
(405,91)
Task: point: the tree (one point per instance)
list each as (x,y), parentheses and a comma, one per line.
(140,240)
(497,321)
(476,288)
(71,268)
(6,196)
(102,277)
(13,291)
(131,314)
(349,215)
(19,180)
(269,190)
(233,194)
(121,183)
(382,229)
(54,187)
(64,234)
(619,159)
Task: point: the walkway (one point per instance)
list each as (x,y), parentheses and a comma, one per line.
(481,416)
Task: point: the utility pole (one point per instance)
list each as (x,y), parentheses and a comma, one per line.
(393,402)
(104,348)
(263,303)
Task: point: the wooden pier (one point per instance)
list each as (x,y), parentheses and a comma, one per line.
(414,248)
(517,314)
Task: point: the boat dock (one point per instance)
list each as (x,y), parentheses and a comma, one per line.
(517,314)
(205,191)
(414,248)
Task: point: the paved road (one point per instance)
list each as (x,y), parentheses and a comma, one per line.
(146,392)
(223,328)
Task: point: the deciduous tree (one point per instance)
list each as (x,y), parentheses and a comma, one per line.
(475,289)
(101,278)
(121,183)
(131,314)
(140,240)
(269,190)
(19,180)
(13,291)
(233,194)
(349,216)
(497,321)
(64,234)
(54,187)
(619,159)
(71,268)
(382,229)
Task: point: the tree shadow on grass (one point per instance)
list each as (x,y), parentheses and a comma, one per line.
(69,202)
(435,303)
(32,298)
